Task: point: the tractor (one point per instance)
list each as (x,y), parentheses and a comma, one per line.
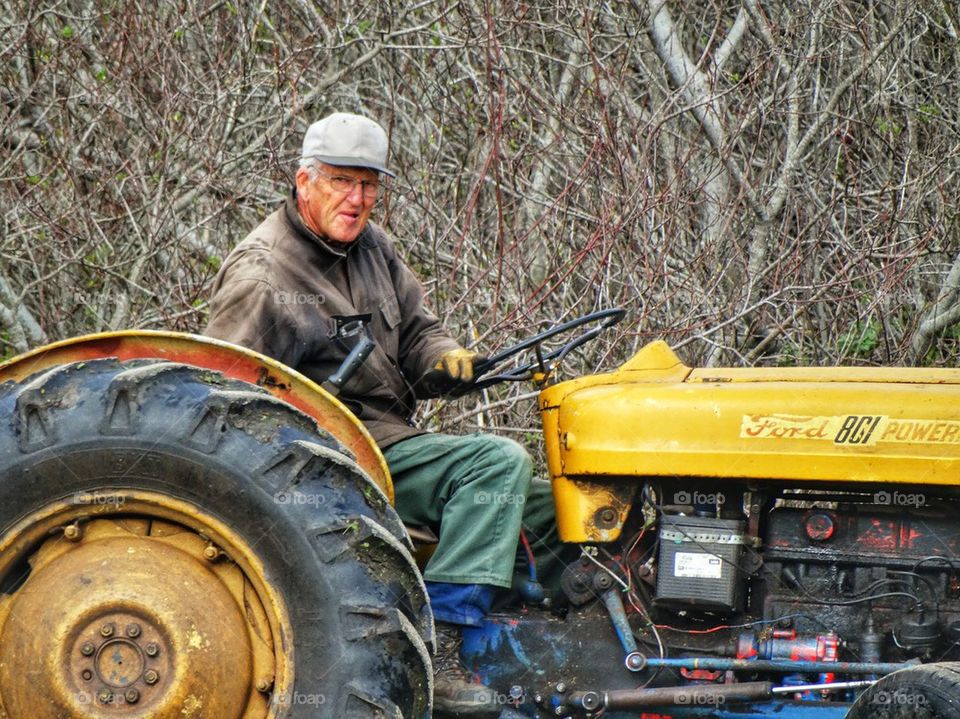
(190,529)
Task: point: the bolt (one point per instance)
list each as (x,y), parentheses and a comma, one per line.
(150,676)
(264,684)
(132,696)
(133,631)
(561,687)
(107,630)
(590,701)
(608,516)
(516,691)
(152,649)
(635,661)
(72,532)
(602,581)
(86,674)
(87,649)
(104,696)
(211,552)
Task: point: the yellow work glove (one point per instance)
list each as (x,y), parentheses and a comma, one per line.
(458,364)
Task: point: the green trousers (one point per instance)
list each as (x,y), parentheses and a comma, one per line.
(476,492)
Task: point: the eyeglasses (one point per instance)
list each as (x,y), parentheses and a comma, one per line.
(345,184)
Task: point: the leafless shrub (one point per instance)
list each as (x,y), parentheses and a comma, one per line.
(756,183)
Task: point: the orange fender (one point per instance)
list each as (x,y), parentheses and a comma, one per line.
(229,359)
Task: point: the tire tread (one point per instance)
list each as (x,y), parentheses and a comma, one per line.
(381,622)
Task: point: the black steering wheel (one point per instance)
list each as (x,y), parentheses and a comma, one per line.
(483,367)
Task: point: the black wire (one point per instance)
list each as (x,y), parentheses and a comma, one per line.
(870,587)
(813,599)
(873,585)
(926,580)
(849,602)
(948,560)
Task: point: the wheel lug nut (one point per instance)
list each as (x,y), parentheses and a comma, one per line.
(87,649)
(133,631)
(132,696)
(107,630)
(152,649)
(264,684)
(150,676)
(86,674)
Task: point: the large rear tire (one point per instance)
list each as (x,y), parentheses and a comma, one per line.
(177,544)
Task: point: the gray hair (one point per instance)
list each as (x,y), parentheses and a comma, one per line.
(310,163)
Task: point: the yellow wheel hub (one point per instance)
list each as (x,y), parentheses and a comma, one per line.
(136,615)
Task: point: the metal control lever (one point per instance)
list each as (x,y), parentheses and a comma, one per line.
(358,355)
(634,660)
(696,694)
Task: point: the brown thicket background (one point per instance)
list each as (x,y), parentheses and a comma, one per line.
(757,182)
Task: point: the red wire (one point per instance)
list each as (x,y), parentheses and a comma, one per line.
(529,551)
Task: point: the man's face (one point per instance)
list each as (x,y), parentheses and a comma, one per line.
(336,214)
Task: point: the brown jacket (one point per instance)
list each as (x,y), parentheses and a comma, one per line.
(281,289)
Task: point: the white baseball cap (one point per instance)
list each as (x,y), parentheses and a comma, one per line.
(347,140)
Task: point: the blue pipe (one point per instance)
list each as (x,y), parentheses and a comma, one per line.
(618,615)
(777,665)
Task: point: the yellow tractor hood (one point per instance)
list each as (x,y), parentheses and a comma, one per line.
(654,416)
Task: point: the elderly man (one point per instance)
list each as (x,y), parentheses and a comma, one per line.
(297,288)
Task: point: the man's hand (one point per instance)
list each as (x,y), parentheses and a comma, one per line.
(458,364)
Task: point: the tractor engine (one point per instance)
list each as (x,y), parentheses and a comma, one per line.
(863,577)
(880,575)
(734,590)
